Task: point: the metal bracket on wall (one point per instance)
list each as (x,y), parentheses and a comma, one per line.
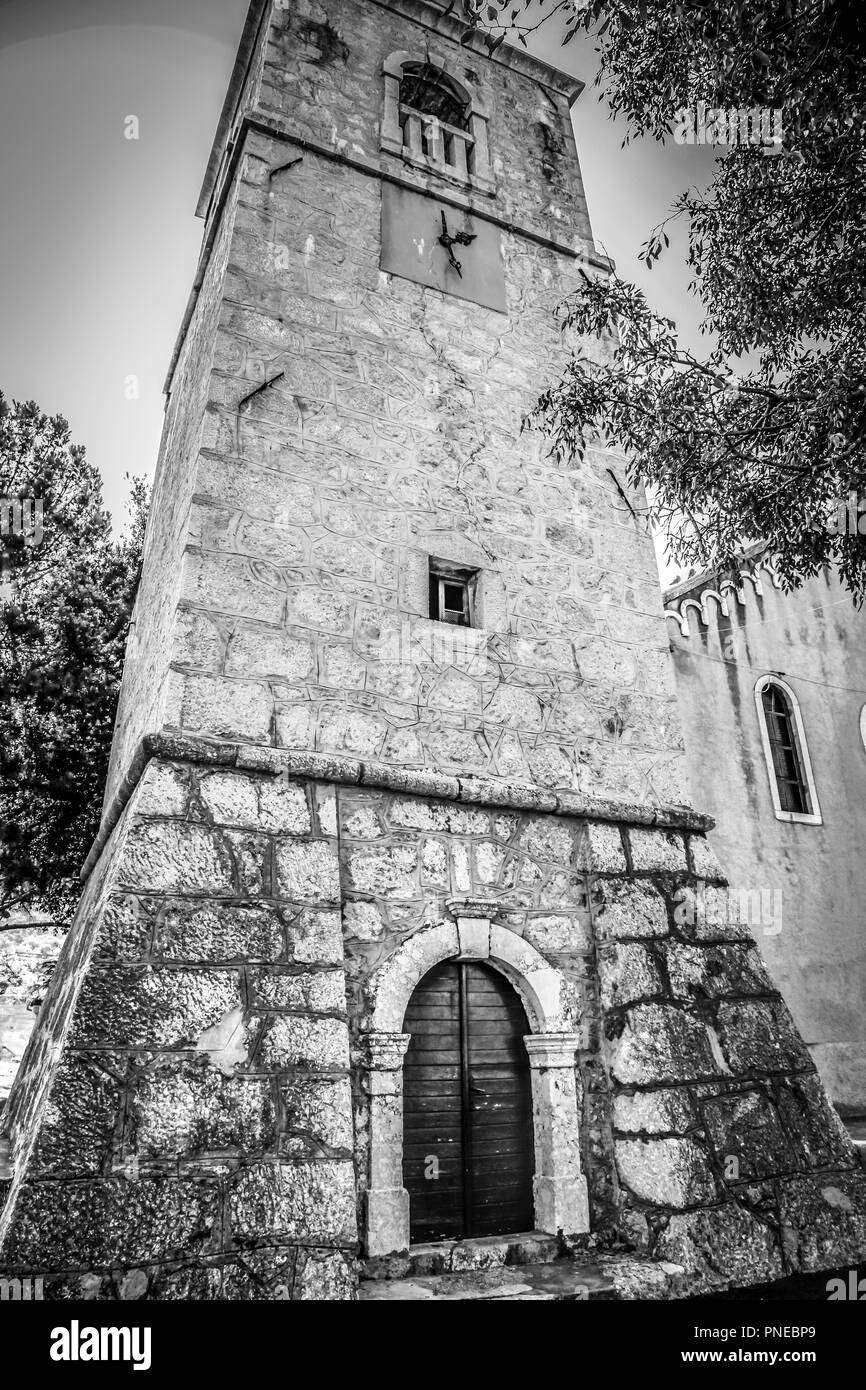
(259,389)
(281,168)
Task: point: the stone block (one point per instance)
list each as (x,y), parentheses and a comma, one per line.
(627,971)
(363,921)
(205,933)
(283,808)
(78,1121)
(103,1221)
(231,709)
(171,857)
(320,992)
(188,1110)
(317,1117)
(386,873)
(824,1219)
(317,937)
(152,1006)
(665,1172)
(659,1043)
(308,872)
(657,851)
(816,1133)
(760,1036)
(558,935)
(604,846)
(296,1041)
(746,1135)
(721,1247)
(710,972)
(162,791)
(628,909)
(259,652)
(653,1112)
(309,1202)
(230,798)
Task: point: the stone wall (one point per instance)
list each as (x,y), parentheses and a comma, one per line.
(194,1139)
(193,1117)
(143,690)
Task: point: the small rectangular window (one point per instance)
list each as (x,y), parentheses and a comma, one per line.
(452,593)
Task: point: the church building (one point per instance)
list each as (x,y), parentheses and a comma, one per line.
(379,970)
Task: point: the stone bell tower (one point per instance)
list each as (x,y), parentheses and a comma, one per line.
(381,941)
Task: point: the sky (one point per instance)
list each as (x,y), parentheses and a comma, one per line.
(98,234)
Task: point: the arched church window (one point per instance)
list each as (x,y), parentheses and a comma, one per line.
(435,120)
(792,785)
(863,726)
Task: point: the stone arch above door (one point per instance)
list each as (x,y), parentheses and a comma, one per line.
(550,1004)
(559,1187)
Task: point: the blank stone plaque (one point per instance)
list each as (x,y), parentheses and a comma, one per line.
(411,228)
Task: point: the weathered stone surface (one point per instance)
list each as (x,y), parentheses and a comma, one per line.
(299,1275)
(747,1137)
(711,913)
(817,1134)
(665,1172)
(659,851)
(290,1041)
(208,933)
(604,849)
(126,929)
(721,1247)
(363,921)
(627,971)
(230,798)
(698,972)
(559,935)
(225,708)
(653,1112)
(163,791)
(318,1118)
(308,872)
(148,1006)
(321,992)
(660,1044)
(705,862)
(760,1036)
(630,909)
(317,937)
(102,1221)
(189,1110)
(284,1201)
(824,1219)
(167,857)
(79,1122)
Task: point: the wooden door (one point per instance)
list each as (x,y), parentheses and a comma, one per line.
(468,1153)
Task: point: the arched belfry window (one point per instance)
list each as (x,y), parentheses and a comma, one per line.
(789,768)
(435,120)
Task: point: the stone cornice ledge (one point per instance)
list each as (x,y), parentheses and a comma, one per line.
(475,791)
(433,14)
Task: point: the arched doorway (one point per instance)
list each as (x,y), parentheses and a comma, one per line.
(468,1151)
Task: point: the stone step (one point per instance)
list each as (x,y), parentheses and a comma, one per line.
(565,1280)
(456,1256)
